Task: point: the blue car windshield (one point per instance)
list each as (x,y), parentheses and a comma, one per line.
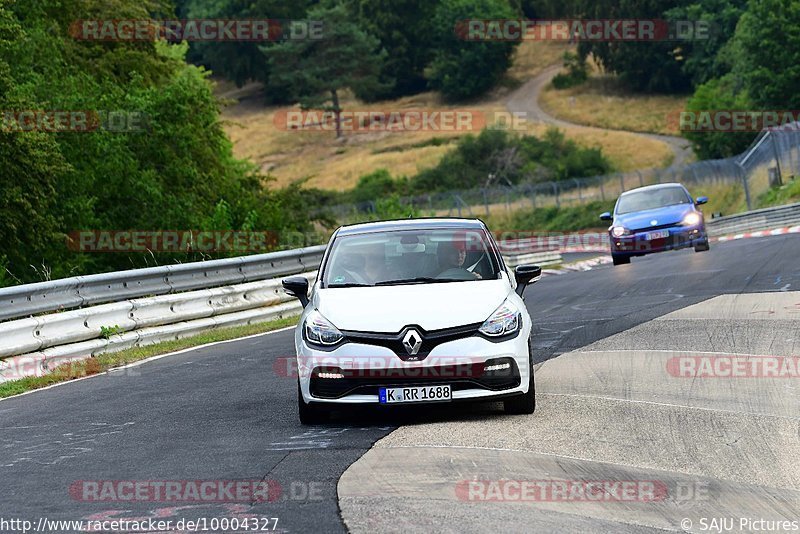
(652,199)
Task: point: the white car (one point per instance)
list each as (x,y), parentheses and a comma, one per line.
(413,311)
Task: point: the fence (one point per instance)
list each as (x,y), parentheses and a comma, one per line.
(773,157)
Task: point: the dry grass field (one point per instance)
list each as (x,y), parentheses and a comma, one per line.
(604,103)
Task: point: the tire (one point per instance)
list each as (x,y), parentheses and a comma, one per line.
(523,404)
(309,413)
(620,260)
(703,247)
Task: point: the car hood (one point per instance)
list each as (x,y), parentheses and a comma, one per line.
(644,219)
(431,306)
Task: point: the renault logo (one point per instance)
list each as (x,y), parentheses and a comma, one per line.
(412,341)
(654,222)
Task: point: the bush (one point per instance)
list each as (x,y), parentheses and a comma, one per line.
(576,74)
(508,158)
(374,185)
(563,219)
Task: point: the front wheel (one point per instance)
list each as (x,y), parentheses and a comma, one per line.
(702,247)
(309,413)
(620,260)
(523,404)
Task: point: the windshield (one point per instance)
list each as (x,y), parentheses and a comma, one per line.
(410,257)
(652,199)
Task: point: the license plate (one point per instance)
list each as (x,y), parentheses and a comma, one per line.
(414,394)
(659,234)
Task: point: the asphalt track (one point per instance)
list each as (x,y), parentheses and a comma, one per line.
(227,412)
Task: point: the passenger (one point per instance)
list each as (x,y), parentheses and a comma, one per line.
(375,264)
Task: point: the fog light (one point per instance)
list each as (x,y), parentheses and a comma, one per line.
(498,367)
(330,375)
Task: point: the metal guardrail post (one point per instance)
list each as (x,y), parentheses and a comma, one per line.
(746,186)
(777,158)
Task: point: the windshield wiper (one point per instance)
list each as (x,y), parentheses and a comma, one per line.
(349,284)
(417,280)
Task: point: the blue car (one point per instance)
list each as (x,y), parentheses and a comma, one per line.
(654,219)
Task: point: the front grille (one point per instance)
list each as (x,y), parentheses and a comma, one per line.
(653,228)
(468,376)
(394,342)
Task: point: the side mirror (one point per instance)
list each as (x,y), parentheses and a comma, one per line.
(297,286)
(701,200)
(526,274)
(606,216)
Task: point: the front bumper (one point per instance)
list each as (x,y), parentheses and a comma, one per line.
(679,237)
(460,363)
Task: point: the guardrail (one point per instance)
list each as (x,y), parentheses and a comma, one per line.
(538,258)
(34,346)
(753,221)
(80,317)
(77,318)
(79,291)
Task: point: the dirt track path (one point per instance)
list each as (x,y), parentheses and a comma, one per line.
(526,100)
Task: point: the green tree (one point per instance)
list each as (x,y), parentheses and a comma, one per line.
(405,30)
(317,70)
(173,175)
(240,61)
(767,53)
(464,69)
(31,165)
(643,66)
(703,59)
(718,94)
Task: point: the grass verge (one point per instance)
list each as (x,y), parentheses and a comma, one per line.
(777,196)
(552,219)
(103,362)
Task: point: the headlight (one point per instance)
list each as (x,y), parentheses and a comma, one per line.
(319,331)
(505,320)
(619,231)
(692,219)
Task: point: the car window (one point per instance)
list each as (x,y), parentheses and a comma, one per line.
(652,199)
(413,257)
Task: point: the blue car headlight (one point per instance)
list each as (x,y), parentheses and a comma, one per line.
(619,231)
(692,219)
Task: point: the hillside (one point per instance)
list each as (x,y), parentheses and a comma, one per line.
(337,164)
